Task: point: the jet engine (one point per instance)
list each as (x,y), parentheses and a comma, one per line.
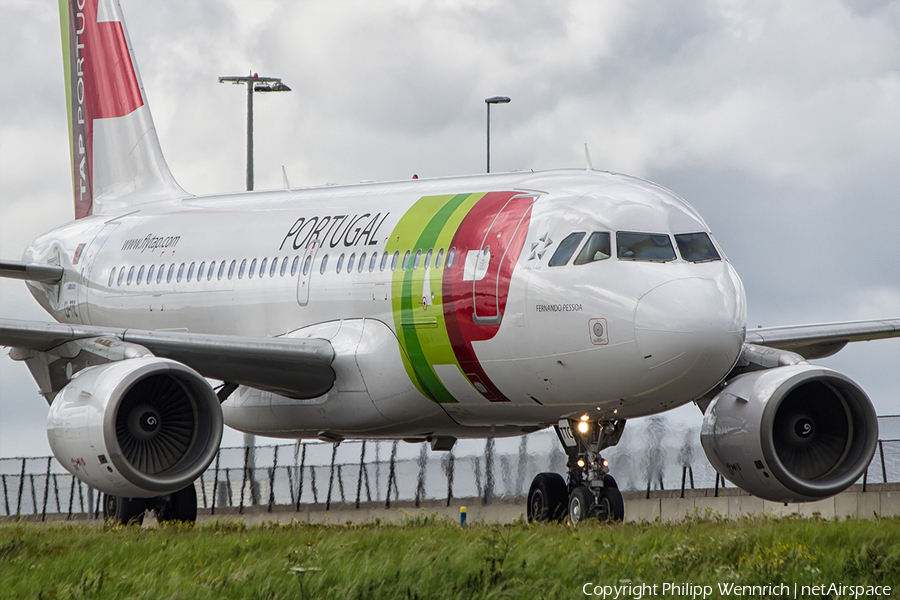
(141,427)
(791,434)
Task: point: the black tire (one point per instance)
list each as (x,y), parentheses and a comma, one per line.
(127,511)
(581,504)
(547,498)
(610,507)
(180,506)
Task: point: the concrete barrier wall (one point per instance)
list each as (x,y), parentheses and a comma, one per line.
(881,500)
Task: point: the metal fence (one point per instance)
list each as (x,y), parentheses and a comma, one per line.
(652,455)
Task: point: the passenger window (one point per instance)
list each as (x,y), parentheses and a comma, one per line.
(450,255)
(362,262)
(405,260)
(212,270)
(180,273)
(150,273)
(242,269)
(384,259)
(428,258)
(262,267)
(394,259)
(294,265)
(231,268)
(252,269)
(221,270)
(130,276)
(121,276)
(201,270)
(159,275)
(112,276)
(696,247)
(274,267)
(190,274)
(284,264)
(171,273)
(655,247)
(340,263)
(350,262)
(140,275)
(324,264)
(566,249)
(417,258)
(372,261)
(306,264)
(596,248)
(437,259)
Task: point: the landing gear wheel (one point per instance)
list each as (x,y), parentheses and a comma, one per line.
(127,511)
(581,504)
(546,498)
(610,507)
(178,506)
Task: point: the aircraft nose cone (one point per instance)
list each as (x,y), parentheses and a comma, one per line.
(690,329)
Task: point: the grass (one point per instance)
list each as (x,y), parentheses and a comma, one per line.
(432,558)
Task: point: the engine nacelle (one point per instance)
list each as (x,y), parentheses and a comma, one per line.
(136,428)
(791,434)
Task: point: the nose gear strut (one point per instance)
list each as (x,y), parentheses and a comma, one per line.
(589,491)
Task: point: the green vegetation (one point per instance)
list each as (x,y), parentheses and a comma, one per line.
(430,558)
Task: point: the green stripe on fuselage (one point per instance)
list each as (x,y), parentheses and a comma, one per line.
(429,224)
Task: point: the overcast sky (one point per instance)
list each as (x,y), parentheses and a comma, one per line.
(778,120)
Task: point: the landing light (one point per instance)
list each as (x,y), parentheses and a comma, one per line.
(584,417)
(605,463)
(583,427)
(581,462)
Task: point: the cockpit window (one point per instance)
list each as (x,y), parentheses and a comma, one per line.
(596,248)
(696,247)
(566,249)
(656,247)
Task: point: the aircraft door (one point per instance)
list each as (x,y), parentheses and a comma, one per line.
(307,261)
(84,260)
(490,267)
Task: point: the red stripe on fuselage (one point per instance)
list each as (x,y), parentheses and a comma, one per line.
(499,220)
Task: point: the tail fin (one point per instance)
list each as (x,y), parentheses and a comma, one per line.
(116,157)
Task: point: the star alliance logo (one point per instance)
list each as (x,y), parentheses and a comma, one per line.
(544,242)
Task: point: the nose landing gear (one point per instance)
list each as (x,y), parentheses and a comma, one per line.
(590,492)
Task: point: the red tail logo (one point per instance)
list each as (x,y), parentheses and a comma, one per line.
(103,85)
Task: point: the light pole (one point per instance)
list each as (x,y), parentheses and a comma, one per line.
(255,83)
(488,102)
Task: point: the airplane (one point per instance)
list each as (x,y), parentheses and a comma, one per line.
(427,310)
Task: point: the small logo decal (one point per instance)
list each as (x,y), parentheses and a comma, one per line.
(539,247)
(598,331)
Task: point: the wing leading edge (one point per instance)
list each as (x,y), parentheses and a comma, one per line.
(826,339)
(299,368)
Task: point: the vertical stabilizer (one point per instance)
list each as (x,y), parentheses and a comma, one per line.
(116,158)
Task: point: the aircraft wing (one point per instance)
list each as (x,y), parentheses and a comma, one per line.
(14,269)
(819,341)
(299,368)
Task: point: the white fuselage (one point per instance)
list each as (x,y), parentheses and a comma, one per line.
(418,352)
